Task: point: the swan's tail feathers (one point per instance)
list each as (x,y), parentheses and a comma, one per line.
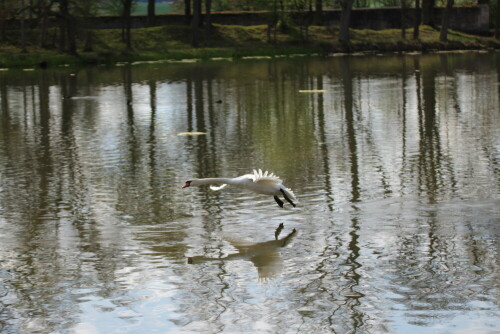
(265,176)
(289,193)
(217,188)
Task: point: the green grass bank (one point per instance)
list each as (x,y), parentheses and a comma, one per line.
(174,43)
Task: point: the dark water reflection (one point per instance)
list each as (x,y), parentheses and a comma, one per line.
(394,161)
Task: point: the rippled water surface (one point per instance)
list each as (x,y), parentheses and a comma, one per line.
(394,160)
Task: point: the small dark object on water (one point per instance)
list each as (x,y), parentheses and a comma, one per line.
(218,101)
(43,64)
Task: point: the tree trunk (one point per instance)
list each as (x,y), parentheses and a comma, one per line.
(497,21)
(195,24)
(273,25)
(282,6)
(43,23)
(187,11)
(345,18)
(62,38)
(3,36)
(71,33)
(23,34)
(208,21)
(443,35)
(127,22)
(403,19)
(151,12)
(318,12)
(427,12)
(416,20)
(89,37)
(67,38)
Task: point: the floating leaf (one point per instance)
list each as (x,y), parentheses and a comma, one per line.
(256,57)
(312,91)
(195,133)
(187,61)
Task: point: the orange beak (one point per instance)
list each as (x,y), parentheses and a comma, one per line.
(185,185)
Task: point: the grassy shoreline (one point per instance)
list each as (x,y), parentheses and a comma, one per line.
(172,43)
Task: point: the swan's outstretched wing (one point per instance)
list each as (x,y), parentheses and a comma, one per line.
(259,176)
(217,188)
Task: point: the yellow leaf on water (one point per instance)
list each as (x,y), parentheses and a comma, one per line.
(312,91)
(195,133)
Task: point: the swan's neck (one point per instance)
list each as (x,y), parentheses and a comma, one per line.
(213,180)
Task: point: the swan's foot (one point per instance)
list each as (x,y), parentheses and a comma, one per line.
(278,231)
(287,198)
(280,202)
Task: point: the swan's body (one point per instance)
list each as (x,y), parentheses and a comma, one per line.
(258,182)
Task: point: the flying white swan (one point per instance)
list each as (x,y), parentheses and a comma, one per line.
(260,182)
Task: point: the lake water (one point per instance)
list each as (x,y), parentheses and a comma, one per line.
(394,161)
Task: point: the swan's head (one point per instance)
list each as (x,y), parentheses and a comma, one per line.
(187,184)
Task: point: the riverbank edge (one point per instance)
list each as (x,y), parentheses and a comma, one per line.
(36,58)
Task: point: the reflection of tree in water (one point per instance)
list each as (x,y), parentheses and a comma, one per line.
(433,163)
(49,201)
(325,154)
(204,150)
(343,294)
(352,296)
(440,269)
(435,269)
(206,156)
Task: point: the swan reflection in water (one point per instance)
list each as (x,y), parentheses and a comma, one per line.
(265,256)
